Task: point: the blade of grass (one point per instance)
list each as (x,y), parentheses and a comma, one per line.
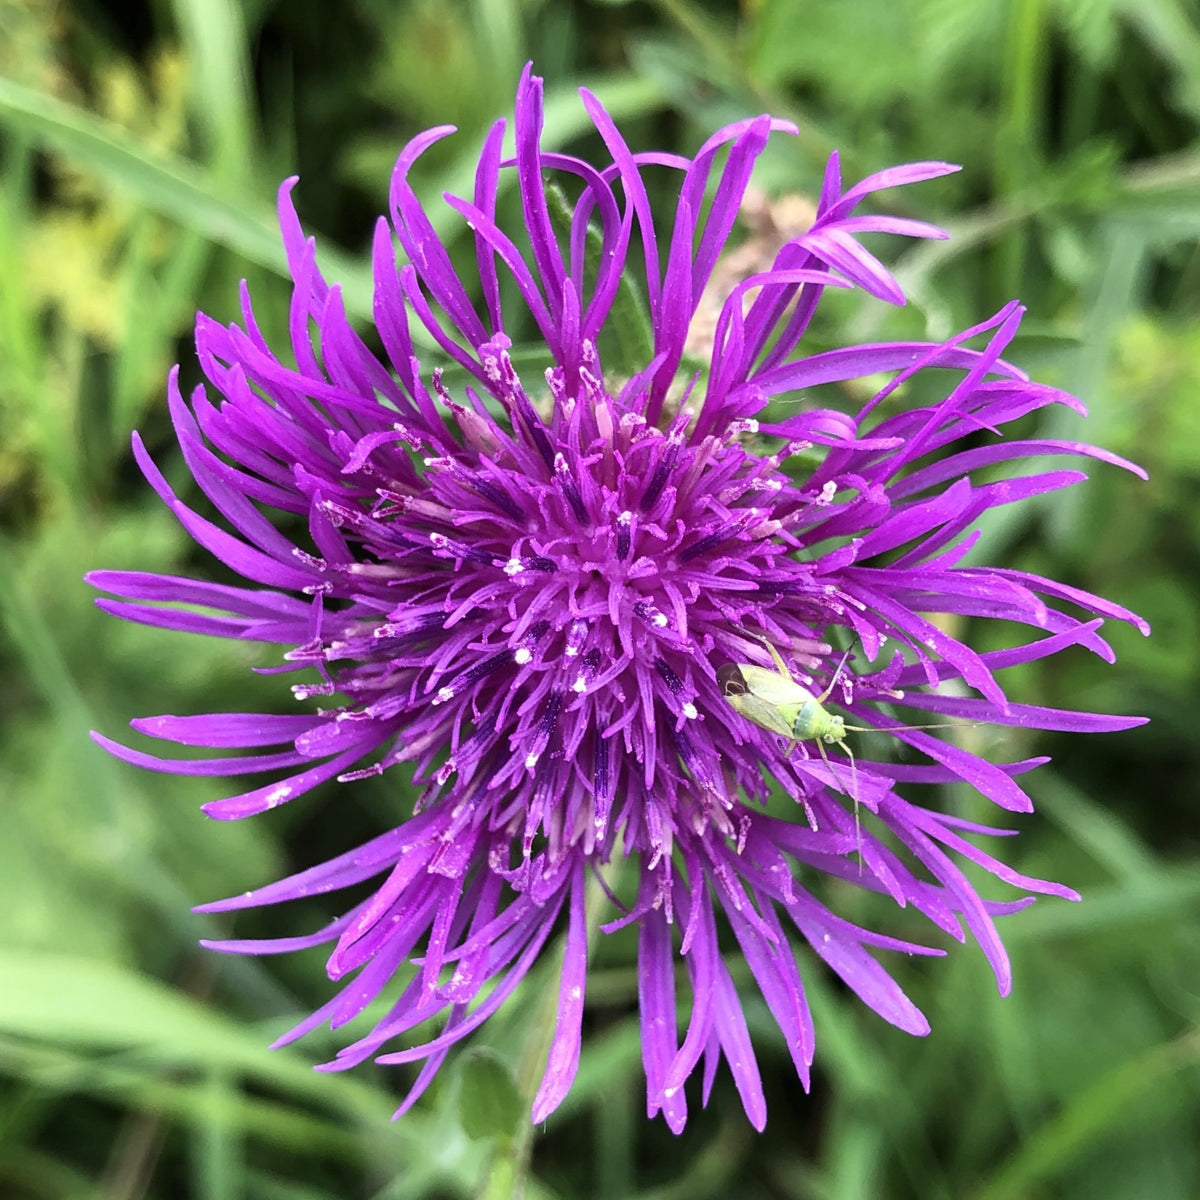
(126,1022)
(167,184)
(1096,1112)
(214,37)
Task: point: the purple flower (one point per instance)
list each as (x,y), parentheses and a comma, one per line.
(520,586)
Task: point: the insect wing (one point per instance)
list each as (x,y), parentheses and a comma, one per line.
(775,689)
(766,716)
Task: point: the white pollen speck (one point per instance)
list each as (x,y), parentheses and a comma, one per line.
(660,620)
(571,651)
(278,795)
(580,684)
(626,518)
(689,711)
(513,567)
(531,761)
(444,694)
(522,655)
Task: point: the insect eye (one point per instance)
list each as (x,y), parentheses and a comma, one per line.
(731,681)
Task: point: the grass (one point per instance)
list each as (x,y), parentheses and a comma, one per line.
(139,164)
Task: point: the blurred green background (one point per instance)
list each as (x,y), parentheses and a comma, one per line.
(139,157)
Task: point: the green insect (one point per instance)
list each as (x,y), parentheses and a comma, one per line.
(774,701)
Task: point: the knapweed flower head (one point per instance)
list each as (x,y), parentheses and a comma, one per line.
(519,585)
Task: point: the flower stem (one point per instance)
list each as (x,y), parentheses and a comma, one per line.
(508,1169)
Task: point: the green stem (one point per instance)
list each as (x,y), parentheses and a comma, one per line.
(508,1169)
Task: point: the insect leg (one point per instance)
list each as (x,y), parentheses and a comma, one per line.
(854,796)
(851,791)
(776,657)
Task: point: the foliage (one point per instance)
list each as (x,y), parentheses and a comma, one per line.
(139,158)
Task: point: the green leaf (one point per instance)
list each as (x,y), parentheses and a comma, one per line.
(489,1104)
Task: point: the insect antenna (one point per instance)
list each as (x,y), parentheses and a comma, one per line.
(901,728)
(835,677)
